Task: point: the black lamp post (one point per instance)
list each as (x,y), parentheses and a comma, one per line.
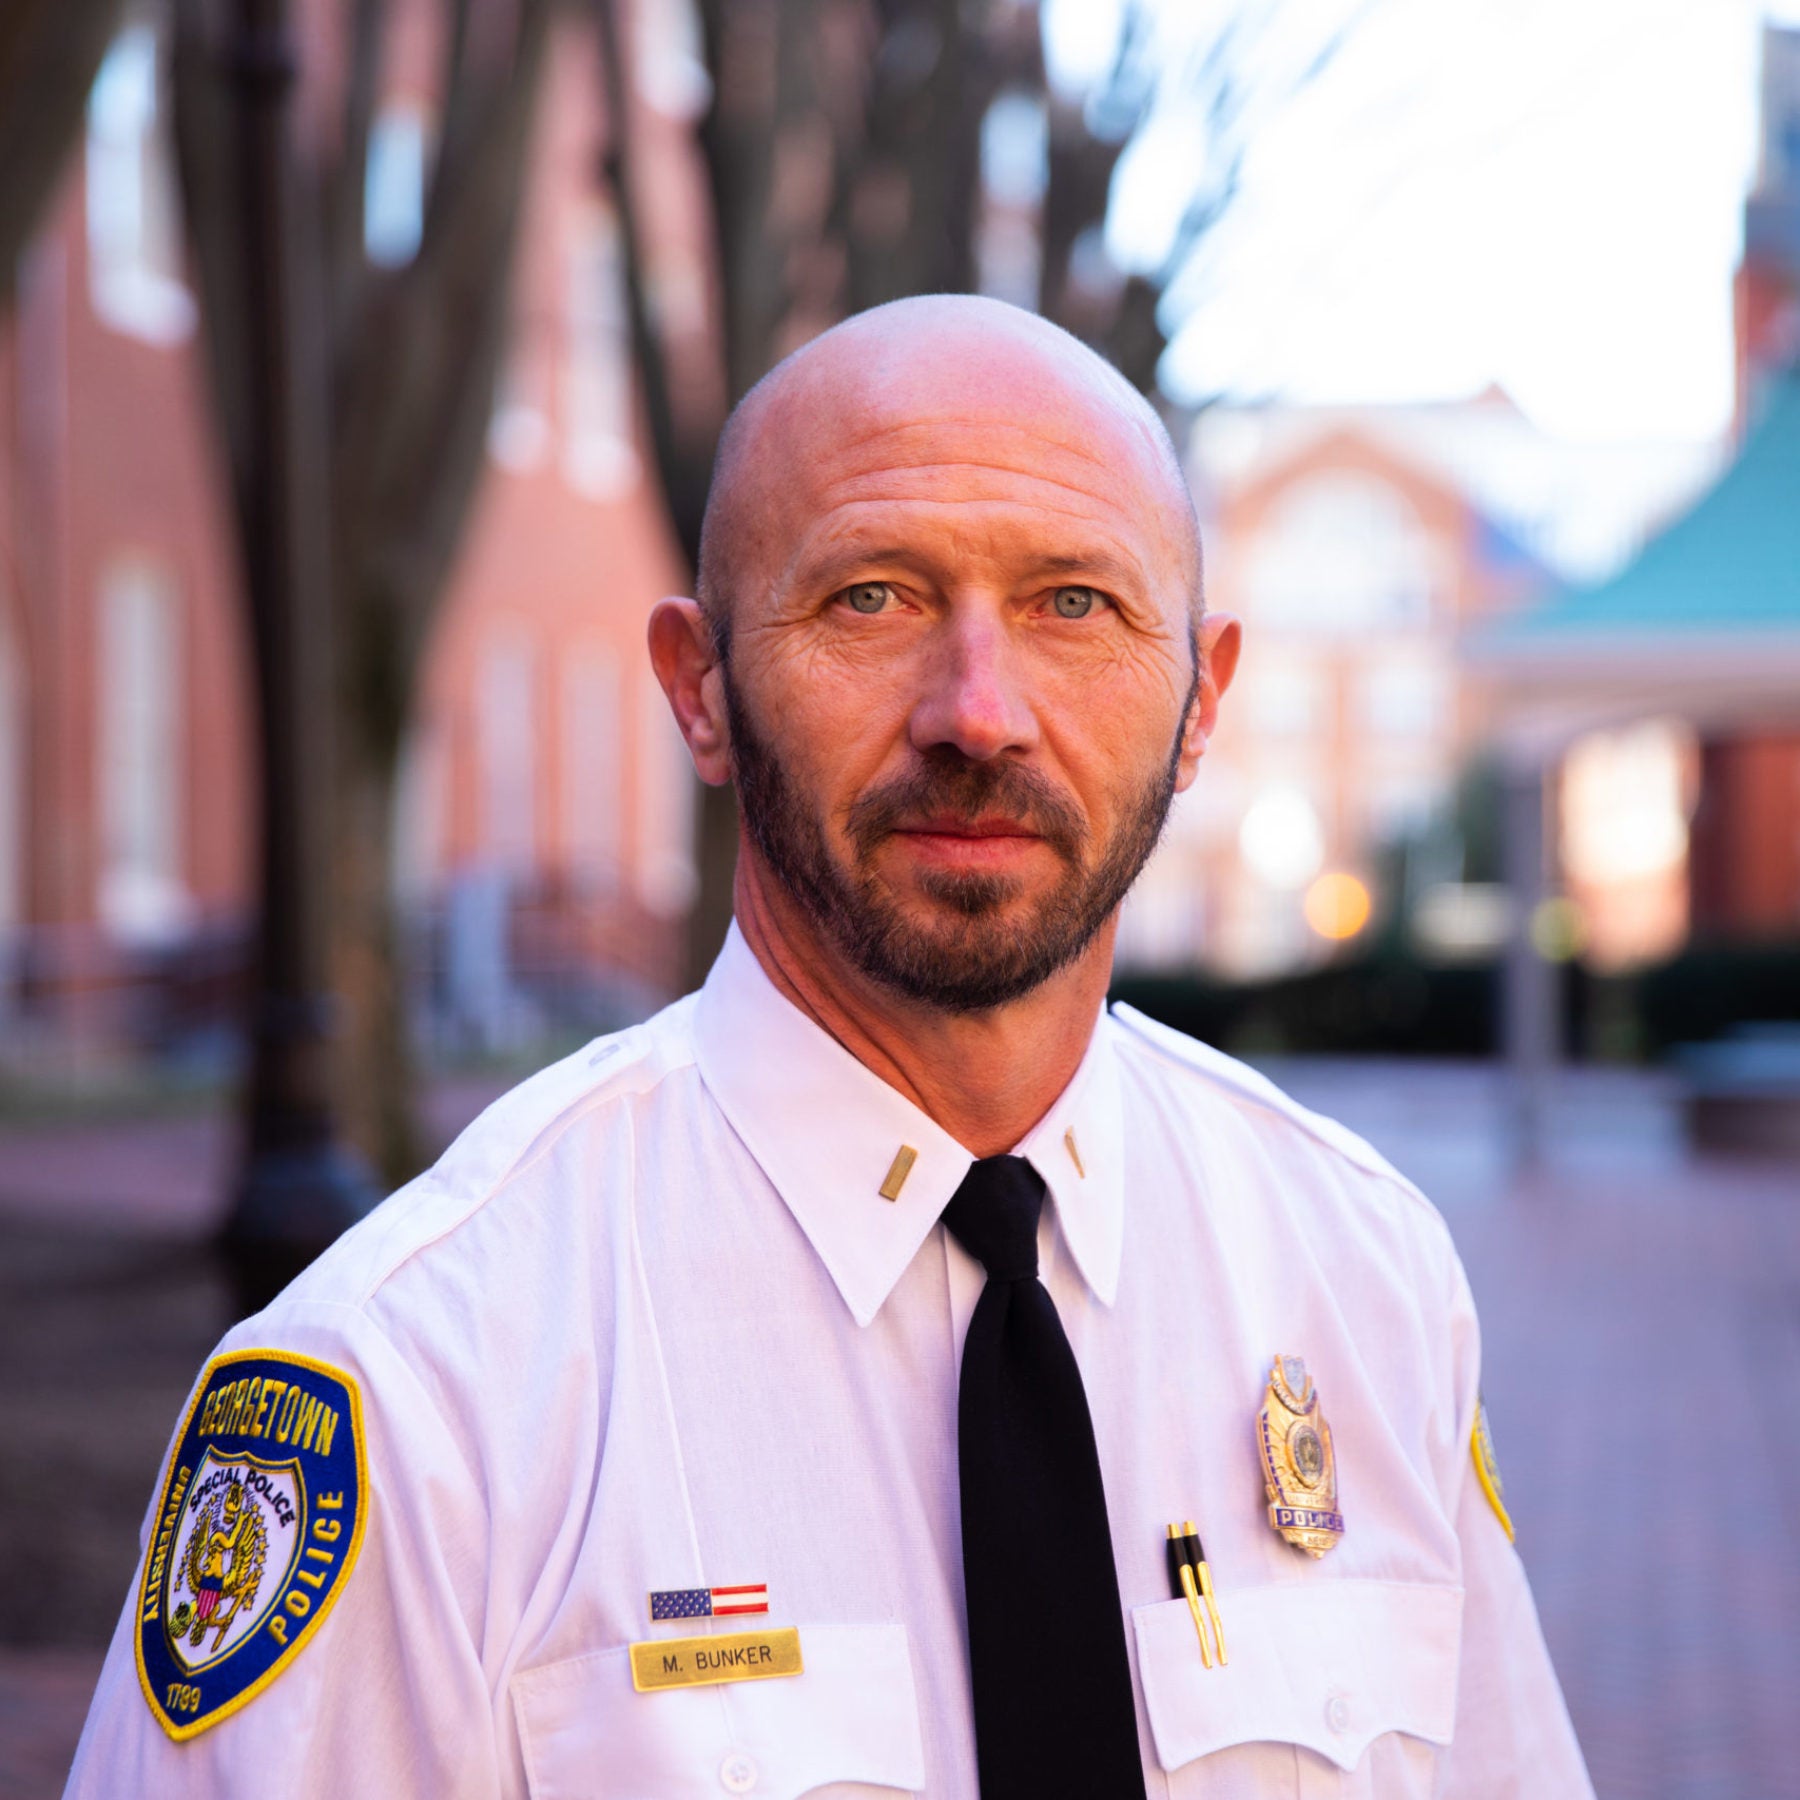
(299,1186)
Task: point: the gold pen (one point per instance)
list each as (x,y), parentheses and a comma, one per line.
(1182,1577)
(1192,1536)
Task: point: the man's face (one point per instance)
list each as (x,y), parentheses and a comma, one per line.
(961,665)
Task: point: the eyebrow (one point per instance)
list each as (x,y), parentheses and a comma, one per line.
(835,564)
(1099,563)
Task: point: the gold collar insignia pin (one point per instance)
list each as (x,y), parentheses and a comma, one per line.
(1299,1469)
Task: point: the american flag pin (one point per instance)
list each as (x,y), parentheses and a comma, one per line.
(708,1603)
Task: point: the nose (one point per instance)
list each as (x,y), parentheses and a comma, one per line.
(973,695)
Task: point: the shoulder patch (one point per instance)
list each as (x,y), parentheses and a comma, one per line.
(259,1520)
(1487,1470)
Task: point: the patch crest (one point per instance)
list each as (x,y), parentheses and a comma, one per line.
(1487,1469)
(258,1523)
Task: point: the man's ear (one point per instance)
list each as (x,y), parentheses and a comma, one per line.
(1220,638)
(686,661)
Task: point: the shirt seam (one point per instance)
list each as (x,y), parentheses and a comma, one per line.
(1293,1114)
(540,1145)
(360,1313)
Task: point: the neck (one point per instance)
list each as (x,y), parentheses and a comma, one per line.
(986,1077)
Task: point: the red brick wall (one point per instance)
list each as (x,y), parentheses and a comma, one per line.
(1744,856)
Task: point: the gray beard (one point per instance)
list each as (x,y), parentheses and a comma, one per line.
(973,957)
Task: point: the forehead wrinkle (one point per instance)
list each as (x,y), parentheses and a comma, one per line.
(834,492)
(882,455)
(823,537)
(964,421)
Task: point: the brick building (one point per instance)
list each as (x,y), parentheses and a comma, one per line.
(1363,546)
(1355,559)
(546,821)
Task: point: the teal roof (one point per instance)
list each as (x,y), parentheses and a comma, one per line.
(1731,566)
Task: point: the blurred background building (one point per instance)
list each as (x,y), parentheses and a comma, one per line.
(545,853)
(1362,545)
(545,849)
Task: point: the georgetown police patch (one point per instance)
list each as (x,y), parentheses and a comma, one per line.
(259,1521)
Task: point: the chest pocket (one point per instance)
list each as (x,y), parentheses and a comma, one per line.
(847,1727)
(1328,1667)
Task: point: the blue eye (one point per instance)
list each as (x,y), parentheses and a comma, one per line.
(867,596)
(1074,602)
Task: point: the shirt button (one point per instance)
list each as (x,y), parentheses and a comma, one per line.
(1337,1713)
(738,1774)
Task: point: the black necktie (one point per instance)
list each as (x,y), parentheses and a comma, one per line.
(1054,1717)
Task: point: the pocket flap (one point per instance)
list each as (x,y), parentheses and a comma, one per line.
(1330,1665)
(850,1717)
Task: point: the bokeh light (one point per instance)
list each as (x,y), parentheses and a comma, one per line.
(1337,906)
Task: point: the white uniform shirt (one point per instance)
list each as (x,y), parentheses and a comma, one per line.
(649,1324)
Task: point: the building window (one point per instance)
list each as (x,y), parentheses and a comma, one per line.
(1015,153)
(518,428)
(394,185)
(507,711)
(593,774)
(599,457)
(1399,804)
(671,59)
(1286,700)
(142,897)
(1342,554)
(1625,803)
(133,222)
(1405,697)
(420,803)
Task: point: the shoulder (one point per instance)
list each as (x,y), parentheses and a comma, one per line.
(512,1159)
(464,1300)
(1214,1084)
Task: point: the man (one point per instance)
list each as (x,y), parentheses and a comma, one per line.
(885,1370)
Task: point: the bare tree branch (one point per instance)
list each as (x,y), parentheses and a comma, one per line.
(685,465)
(49,51)
(418,385)
(343,187)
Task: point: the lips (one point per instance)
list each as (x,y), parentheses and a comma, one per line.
(990,844)
(944,825)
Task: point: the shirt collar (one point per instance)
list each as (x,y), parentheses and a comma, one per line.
(825,1129)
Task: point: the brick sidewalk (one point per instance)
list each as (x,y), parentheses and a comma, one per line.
(1642,1326)
(1642,1356)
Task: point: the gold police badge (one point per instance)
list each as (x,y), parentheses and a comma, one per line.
(1299,1470)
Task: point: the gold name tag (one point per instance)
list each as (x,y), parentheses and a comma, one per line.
(701,1661)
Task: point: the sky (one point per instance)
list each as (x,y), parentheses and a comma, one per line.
(1543,194)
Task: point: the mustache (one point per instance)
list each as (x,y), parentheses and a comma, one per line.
(947,782)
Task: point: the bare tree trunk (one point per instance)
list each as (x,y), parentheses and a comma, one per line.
(406,377)
(418,359)
(376,1074)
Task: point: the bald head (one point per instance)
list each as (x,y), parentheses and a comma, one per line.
(877,384)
